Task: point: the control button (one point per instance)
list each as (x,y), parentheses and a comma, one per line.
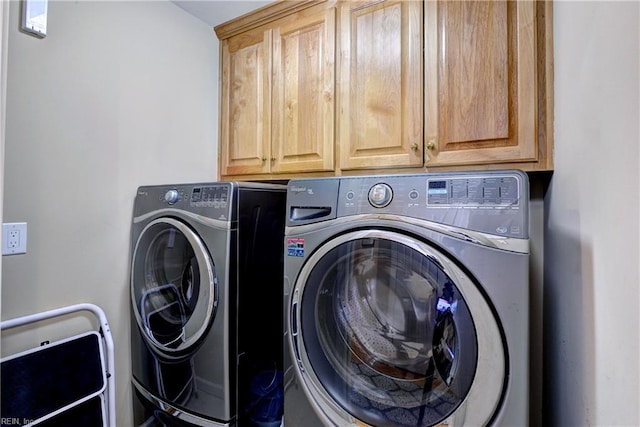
(380,195)
(171,196)
(413,194)
(350,195)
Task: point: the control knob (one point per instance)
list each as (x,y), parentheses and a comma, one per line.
(171,196)
(380,195)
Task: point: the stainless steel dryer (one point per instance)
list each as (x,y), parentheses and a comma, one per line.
(207,262)
(406,300)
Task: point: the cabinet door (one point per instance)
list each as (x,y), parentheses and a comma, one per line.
(245,127)
(380,84)
(480,82)
(304,91)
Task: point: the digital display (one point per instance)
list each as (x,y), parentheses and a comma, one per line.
(437,187)
(195,196)
(216,196)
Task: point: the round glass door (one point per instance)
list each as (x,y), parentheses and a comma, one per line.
(384,332)
(173,286)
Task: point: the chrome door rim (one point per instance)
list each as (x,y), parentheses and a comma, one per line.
(485,395)
(199,322)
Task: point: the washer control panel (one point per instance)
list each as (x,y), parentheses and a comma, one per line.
(494,202)
(398,193)
(480,191)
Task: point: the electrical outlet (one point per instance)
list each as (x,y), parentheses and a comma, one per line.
(14,238)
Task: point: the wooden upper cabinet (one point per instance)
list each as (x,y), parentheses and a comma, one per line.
(245,122)
(278,91)
(303,94)
(380,84)
(483,103)
(314,87)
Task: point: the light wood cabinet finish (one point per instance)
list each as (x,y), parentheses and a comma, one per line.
(348,87)
(245,129)
(482,84)
(278,95)
(380,85)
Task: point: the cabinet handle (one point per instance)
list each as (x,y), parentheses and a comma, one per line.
(431,144)
(414,147)
(273,159)
(264,159)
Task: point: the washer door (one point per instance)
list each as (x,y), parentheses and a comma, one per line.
(387,331)
(173,287)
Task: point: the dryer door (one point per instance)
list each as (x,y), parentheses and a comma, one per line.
(387,331)
(173,287)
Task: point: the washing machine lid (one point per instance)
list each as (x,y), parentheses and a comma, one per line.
(387,331)
(174,287)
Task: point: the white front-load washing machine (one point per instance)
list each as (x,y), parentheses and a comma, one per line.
(407,300)
(206,304)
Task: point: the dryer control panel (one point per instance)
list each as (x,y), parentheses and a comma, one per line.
(211,200)
(214,196)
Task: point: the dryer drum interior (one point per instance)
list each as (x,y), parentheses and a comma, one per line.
(173,283)
(387,330)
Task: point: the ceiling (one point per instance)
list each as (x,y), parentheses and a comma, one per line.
(214,12)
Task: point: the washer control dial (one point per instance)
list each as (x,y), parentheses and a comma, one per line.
(171,196)
(380,195)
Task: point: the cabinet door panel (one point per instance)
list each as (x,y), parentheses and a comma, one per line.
(474,87)
(245,128)
(380,88)
(303,92)
(480,82)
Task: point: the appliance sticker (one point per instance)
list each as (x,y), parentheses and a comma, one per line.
(295,246)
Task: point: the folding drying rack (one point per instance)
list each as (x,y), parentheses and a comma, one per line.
(67,382)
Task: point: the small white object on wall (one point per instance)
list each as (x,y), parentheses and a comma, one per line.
(34,17)
(14,238)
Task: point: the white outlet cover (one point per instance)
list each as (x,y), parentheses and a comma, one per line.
(14,238)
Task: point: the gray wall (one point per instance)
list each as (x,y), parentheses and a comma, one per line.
(119,94)
(591,276)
